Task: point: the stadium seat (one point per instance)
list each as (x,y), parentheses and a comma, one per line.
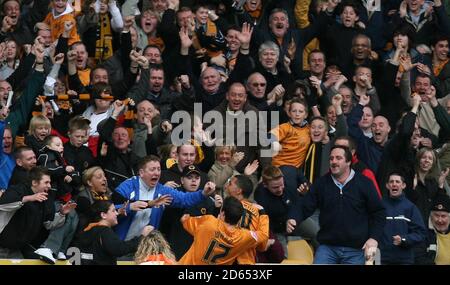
(30,262)
(299,251)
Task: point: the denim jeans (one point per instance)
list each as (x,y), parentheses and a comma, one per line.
(329,254)
(293,177)
(60,238)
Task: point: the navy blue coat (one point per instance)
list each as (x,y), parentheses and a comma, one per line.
(403,218)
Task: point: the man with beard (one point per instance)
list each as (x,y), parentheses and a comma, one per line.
(351,217)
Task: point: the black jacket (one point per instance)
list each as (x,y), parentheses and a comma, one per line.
(19,176)
(27,222)
(80,158)
(348,217)
(276,207)
(106,246)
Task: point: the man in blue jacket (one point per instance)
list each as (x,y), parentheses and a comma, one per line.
(404,227)
(146,194)
(351,218)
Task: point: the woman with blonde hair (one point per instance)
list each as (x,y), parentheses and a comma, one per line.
(427,183)
(154,250)
(95,188)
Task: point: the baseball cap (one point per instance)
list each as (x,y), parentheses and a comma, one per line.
(188,170)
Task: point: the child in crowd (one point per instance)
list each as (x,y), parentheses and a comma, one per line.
(40,128)
(64,180)
(291,142)
(64,177)
(179,239)
(169,155)
(61,13)
(75,152)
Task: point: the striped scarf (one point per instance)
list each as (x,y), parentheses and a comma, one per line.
(99,196)
(438,68)
(312,162)
(103,45)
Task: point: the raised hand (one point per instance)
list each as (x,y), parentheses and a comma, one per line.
(403,9)
(128,22)
(123,210)
(184,80)
(68,26)
(4,112)
(237,157)
(443,176)
(277,93)
(405,62)
(364,100)
(166,126)
(431,95)
(147,230)
(303,188)
(316,82)
(173,4)
(422,68)
(38,197)
(148,123)
(104,150)
(163,200)
(218,201)
(67,207)
(337,100)
(245,35)
(138,206)
(210,188)
(172,184)
(143,62)
(58,59)
(72,56)
(415,98)
(186,41)
(6,24)
(251,167)
(70,168)
(134,56)
(118,108)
